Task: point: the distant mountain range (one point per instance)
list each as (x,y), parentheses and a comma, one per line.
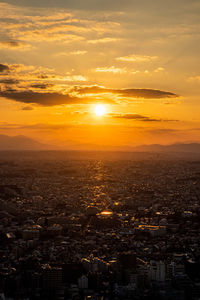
(186,148)
(21,142)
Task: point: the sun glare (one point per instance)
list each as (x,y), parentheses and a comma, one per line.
(100,110)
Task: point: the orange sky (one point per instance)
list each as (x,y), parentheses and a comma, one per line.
(139,59)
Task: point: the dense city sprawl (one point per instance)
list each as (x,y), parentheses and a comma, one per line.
(99,228)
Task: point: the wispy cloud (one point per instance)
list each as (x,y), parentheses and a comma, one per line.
(136,58)
(78,52)
(13,45)
(23,77)
(132,93)
(138,117)
(28,108)
(35,126)
(24,27)
(103,40)
(159,69)
(194,78)
(3,68)
(111,69)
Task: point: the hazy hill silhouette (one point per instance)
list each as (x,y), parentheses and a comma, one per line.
(191,147)
(20,142)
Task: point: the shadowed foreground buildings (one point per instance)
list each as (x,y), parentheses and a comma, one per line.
(99,229)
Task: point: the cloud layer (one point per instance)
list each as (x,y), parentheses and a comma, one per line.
(3,68)
(43,86)
(138,117)
(132,93)
(80,95)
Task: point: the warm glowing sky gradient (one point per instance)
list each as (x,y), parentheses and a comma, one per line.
(140,58)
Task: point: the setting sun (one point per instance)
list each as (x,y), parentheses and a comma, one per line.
(100,110)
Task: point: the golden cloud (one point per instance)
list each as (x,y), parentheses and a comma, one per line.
(136,58)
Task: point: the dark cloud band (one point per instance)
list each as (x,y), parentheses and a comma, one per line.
(138,117)
(134,93)
(55,98)
(4,68)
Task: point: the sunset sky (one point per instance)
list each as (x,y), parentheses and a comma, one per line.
(139,59)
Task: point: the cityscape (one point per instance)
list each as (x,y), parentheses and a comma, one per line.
(87,226)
